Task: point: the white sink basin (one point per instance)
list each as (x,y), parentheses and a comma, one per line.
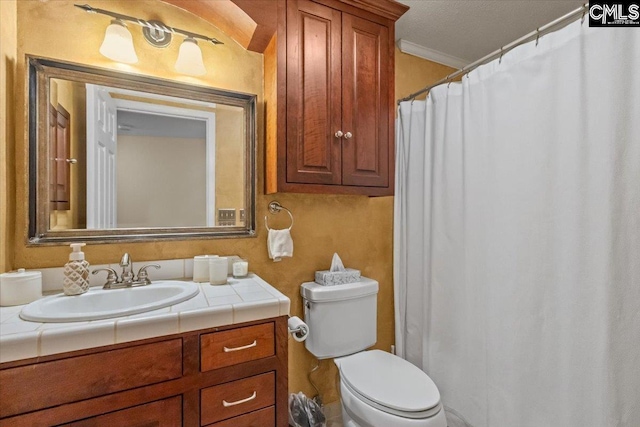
(101,303)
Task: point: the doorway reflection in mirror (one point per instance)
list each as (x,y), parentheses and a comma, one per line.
(140,160)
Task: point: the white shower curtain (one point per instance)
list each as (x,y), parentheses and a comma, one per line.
(517,234)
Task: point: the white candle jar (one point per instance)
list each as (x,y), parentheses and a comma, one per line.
(240,269)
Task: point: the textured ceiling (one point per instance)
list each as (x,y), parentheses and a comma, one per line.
(471,29)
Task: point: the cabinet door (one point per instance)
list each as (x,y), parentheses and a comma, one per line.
(163,413)
(313,93)
(365,95)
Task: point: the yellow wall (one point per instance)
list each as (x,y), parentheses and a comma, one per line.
(56,29)
(413,74)
(358,227)
(8,51)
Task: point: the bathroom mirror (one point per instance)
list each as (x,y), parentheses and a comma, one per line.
(116,156)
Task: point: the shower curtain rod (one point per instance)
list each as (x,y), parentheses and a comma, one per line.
(564,20)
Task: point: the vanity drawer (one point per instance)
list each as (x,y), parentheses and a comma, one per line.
(229,400)
(261,418)
(226,348)
(82,377)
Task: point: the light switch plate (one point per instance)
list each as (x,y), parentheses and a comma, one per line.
(227,217)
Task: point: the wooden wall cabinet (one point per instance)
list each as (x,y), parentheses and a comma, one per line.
(232,376)
(329,78)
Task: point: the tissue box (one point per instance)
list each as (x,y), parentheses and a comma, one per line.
(332,278)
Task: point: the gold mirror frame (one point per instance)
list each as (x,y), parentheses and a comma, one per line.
(41,71)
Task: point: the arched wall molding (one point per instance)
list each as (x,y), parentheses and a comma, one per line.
(252,23)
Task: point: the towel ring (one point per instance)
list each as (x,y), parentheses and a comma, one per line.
(274,208)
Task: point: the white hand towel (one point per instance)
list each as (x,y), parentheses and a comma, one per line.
(279,244)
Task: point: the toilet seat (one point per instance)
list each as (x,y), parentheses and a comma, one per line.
(357,413)
(390,384)
(417,415)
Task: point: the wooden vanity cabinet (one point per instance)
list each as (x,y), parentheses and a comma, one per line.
(333,65)
(230,376)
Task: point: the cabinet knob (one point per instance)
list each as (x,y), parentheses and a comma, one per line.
(348,135)
(339,134)
(70,161)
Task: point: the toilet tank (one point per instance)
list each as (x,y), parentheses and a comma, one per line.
(342,318)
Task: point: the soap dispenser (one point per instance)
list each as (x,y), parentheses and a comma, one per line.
(76,272)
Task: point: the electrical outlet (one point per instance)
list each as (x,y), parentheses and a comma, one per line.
(226,217)
(242,215)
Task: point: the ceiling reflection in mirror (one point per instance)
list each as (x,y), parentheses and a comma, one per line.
(127,161)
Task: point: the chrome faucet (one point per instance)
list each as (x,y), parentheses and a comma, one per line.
(127,279)
(126,263)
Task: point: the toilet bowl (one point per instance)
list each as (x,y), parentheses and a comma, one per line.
(378,389)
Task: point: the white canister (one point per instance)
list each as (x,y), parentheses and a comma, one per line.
(201,267)
(20,287)
(218,269)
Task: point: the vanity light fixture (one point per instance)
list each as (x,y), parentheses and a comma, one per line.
(118,42)
(190,58)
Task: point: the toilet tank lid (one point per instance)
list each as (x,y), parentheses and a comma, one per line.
(314,292)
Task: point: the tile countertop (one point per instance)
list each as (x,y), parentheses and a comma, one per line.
(241,300)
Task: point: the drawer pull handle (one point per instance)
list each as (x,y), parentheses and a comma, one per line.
(244,347)
(237,402)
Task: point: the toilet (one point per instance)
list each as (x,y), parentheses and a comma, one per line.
(378,389)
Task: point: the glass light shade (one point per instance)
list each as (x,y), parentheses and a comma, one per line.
(118,44)
(190,59)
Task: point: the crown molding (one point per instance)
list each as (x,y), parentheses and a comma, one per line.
(414,49)
(390,9)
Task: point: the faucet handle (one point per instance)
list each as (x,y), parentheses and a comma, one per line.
(143,276)
(112,276)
